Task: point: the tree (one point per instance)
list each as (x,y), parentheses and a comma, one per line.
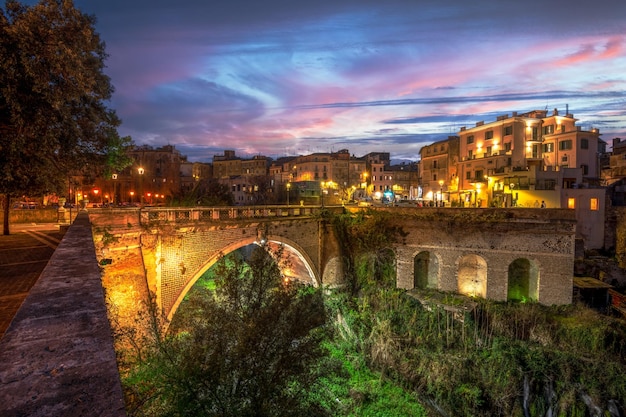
(250,348)
(54,121)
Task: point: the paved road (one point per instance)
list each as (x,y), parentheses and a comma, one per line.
(23,256)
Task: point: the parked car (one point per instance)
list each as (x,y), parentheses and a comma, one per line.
(25,205)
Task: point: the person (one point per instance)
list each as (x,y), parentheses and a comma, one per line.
(543,204)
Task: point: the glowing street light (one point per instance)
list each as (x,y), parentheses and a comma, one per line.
(141,171)
(441,193)
(288,192)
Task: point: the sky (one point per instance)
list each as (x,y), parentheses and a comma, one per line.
(294,77)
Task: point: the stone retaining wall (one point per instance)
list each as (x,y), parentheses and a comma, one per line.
(57,357)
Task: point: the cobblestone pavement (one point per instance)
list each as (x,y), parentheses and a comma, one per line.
(23,256)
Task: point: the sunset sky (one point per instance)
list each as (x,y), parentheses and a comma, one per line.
(287,77)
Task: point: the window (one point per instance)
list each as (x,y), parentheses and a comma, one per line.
(468,175)
(565,144)
(434,177)
(508,130)
(470,154)
(434,164)
(548,130)
(593,204)
(535,133)
(470,139)
(488,151)
(548,147)
(584,144)
(507,146)
(585,169)
(479,175)
(571,203)
(489,134)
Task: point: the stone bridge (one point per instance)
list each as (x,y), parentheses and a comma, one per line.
(493,253)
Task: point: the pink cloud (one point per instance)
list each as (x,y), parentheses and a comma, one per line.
(614,48)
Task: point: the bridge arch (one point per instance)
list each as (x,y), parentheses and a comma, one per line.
(426,270)
(523,280)
(472,275)
(301,260)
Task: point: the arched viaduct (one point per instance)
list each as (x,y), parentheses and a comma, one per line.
(498,254)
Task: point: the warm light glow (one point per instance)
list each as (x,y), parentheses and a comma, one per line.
(571,203)
(593,204)
(441,183)
(140,170)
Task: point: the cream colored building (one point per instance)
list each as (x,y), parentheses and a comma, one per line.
(523,159)
(438,171)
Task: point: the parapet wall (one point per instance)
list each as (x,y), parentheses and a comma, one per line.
(57,357)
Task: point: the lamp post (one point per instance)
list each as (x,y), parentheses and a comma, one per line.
(115,193)
(141,171)
(132,197)
(441,193)
(288,192)
(322,193)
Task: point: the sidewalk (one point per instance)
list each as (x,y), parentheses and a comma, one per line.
(23,256)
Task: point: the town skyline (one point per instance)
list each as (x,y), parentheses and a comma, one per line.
(283,78)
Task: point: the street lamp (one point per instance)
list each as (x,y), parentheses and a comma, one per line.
(441,193)
(140,170)
(132,197)
(322,193)
(115,193)
(288,192)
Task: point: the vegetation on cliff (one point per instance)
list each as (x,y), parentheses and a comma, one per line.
(251,344)
(497,359)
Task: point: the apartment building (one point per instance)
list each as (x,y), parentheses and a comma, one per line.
(501,161)
(438,171)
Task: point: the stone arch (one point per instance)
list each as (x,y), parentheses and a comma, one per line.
(522,280)
(291,248)
(425,270)
(472,275)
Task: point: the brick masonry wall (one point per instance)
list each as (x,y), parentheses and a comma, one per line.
(546,242)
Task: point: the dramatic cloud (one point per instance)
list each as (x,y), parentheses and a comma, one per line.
(282,77)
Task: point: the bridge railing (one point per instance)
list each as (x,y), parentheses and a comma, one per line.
(208,214)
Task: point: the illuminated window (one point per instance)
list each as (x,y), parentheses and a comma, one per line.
(535,133)
(548,147)
(571,203)
(593,204)
(548,130)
